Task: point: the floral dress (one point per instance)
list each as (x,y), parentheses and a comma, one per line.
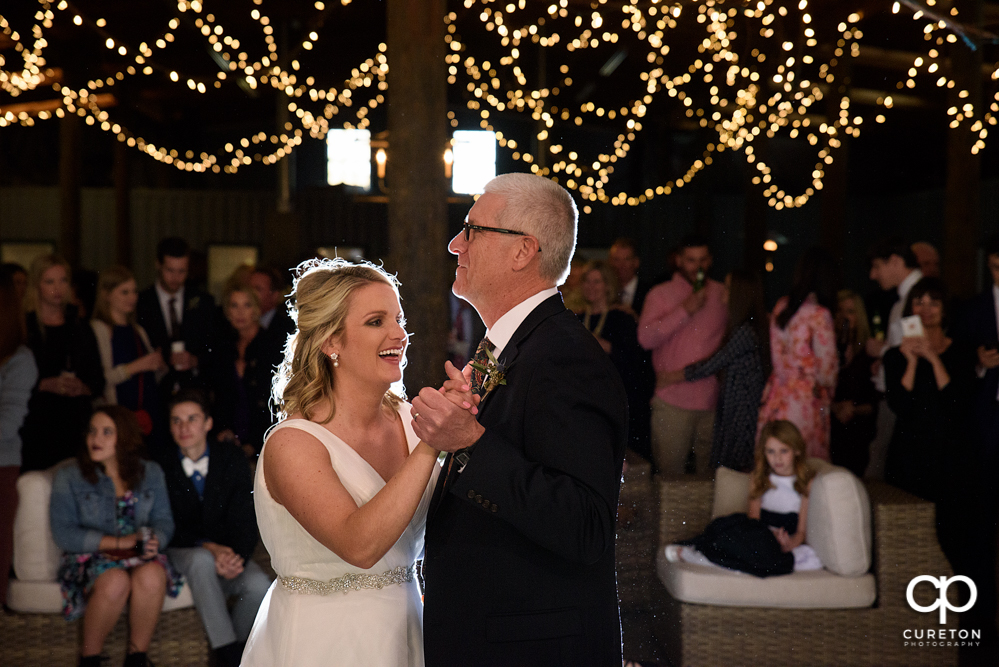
(78,572)
(805,362)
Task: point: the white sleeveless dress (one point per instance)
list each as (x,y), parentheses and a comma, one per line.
(360,627)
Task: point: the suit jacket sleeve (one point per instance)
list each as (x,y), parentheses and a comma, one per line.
(560,489)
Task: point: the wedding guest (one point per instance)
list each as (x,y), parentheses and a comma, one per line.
(99,505)
(179,318)
(624,258)
(683,321)
(130,363)
(266,282)
(744,358)
(893,266)
(929,380)
(245,360)
(928,258)
(616,331)
(69,366)
(570,289)
(769,539)
(18,375)
(853,423)
(803,352)
(211,494)
(18,275)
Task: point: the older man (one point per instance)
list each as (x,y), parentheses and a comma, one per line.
(519,560)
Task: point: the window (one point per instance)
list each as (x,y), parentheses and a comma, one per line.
(348,155)
(474,161)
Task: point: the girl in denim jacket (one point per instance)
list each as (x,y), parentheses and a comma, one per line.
(99,503)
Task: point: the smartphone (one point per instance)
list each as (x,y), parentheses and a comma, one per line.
(912,326)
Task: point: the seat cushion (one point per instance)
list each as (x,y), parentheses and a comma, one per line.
(814,589)
(36,556)
(839,514)
(44,597)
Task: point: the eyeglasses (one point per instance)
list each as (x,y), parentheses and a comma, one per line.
(467,228)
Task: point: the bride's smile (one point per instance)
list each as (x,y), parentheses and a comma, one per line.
(373,342)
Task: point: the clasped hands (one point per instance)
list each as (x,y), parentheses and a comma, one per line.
(913,347)
(445,418)
(228,563)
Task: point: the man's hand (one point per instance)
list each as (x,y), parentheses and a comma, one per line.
(443,423)
(228,564)
(458,388)
(183,361)
(874,347)
(988,358)
(666,378)
(844,411)
(695,301)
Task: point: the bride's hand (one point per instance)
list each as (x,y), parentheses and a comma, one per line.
(458,388)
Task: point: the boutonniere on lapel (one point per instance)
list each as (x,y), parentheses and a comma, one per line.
(193,302)
(493,373)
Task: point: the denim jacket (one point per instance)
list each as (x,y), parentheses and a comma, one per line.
(82,513)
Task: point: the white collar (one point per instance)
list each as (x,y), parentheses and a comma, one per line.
(906,285)
(503,329)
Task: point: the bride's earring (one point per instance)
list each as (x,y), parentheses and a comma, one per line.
(336,359)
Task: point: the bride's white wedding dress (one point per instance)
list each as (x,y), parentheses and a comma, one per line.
(301,621)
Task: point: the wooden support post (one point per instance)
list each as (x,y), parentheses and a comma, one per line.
(69,189)
(417,189)
(122,206)
(962,210)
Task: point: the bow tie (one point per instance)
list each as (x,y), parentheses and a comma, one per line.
(191,467)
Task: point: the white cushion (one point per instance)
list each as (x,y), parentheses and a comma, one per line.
(839,522)
(839,514)
(813,589)
(44,597)
(36,556)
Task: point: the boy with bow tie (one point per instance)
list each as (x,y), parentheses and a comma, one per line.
(210,489)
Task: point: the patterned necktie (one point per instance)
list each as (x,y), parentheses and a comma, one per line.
(481,357)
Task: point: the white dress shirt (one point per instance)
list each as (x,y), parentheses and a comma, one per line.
(894,334)
(164,298)
(503,329)
(628,291)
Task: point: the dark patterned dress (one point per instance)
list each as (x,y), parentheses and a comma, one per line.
(78,572)
(734,437)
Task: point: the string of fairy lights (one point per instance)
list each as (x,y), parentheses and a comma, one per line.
(779,89)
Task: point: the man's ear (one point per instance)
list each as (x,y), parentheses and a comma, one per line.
(209,424)
(525,252)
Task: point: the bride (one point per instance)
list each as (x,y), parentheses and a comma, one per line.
(343,484)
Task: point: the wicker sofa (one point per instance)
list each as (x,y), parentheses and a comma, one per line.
(39,635)
(904,546)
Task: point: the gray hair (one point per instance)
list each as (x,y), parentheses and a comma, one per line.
(543,209)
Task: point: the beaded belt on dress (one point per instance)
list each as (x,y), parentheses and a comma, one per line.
(350,581)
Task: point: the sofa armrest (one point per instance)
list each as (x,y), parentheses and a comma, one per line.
(905,543)
(684,507)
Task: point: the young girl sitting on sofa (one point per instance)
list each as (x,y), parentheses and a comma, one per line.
(769,539)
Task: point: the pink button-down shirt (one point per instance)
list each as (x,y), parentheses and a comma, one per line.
(677,338)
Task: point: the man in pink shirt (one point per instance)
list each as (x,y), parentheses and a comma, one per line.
(683,321)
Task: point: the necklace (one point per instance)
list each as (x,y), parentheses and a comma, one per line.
(596,331)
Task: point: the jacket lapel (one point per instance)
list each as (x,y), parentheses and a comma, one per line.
(547,308)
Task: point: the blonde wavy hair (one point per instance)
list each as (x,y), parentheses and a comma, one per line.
(787,433)
(321,298)
(38,267)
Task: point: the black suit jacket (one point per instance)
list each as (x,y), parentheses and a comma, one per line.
(979,328)
(197,328)
(225,515)
(519,562)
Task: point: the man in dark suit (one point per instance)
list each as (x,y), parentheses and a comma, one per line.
(211,495)
(178,319)
(519,562)
(266,282)
(624,259)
